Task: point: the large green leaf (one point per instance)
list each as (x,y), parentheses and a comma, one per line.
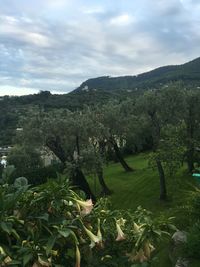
(64,233)
(50,244)
(6,227)
(27,258)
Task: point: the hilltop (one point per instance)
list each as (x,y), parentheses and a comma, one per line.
(189,73)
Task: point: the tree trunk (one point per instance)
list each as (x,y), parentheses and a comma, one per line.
(79,180)
(77,145)
(190,145)
(78,177)
(105,190)
(156,138)
(120,158)
(190,159)
(55,146)
(163,190)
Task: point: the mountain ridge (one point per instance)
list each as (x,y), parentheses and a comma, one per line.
(186,72)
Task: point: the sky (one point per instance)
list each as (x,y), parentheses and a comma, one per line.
(55,45)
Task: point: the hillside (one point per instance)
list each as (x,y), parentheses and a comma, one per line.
(13,108)
(91,92)
(189,73)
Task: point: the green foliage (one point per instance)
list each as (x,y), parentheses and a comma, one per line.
(192,205)
(7,173)
(36,176)
(170,150)
(92,160)
(20,182)
(24,158)
(50,225)
(100,91)
(8,123)
(191,248)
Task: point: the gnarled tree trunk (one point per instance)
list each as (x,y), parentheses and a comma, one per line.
(163,189)
(119,156)
(190,144)
(105,190)
(190,159)
(78,178)
(156,139)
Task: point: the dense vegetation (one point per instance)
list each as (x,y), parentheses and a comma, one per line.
(165,121)
(100,90)
(50,225)
(84,139)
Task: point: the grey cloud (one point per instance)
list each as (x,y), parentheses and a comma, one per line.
(43,53)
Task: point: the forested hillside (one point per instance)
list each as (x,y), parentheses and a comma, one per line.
(92,92)
(189,73)
(13,108)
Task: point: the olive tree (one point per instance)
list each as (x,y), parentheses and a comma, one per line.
(113,128)
(63,133)
(162,109)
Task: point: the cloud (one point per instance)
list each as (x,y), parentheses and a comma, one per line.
(122,20)
(23,30)
(16,91)
(94,10)
(56,45)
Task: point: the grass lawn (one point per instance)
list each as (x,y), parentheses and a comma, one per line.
(141,188)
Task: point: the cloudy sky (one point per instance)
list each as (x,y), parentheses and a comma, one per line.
(57,44)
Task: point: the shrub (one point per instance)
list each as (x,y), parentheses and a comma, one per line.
(37,176)
(50,225)
(191,248)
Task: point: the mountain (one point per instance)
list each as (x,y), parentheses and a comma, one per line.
(188,73)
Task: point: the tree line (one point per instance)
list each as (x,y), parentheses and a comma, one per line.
(166,122)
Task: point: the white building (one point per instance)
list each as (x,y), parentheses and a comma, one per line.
(3,161)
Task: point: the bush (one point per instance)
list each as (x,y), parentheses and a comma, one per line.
(24,158)
(192,247)
(50,225)
(37,176)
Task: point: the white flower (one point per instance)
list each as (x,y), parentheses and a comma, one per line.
(120,234)
(86,206)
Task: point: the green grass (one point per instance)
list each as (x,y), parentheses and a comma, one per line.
(141,188)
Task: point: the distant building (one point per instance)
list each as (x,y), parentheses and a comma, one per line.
(3,161)
(19,129)
(48,157)
(85,88)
